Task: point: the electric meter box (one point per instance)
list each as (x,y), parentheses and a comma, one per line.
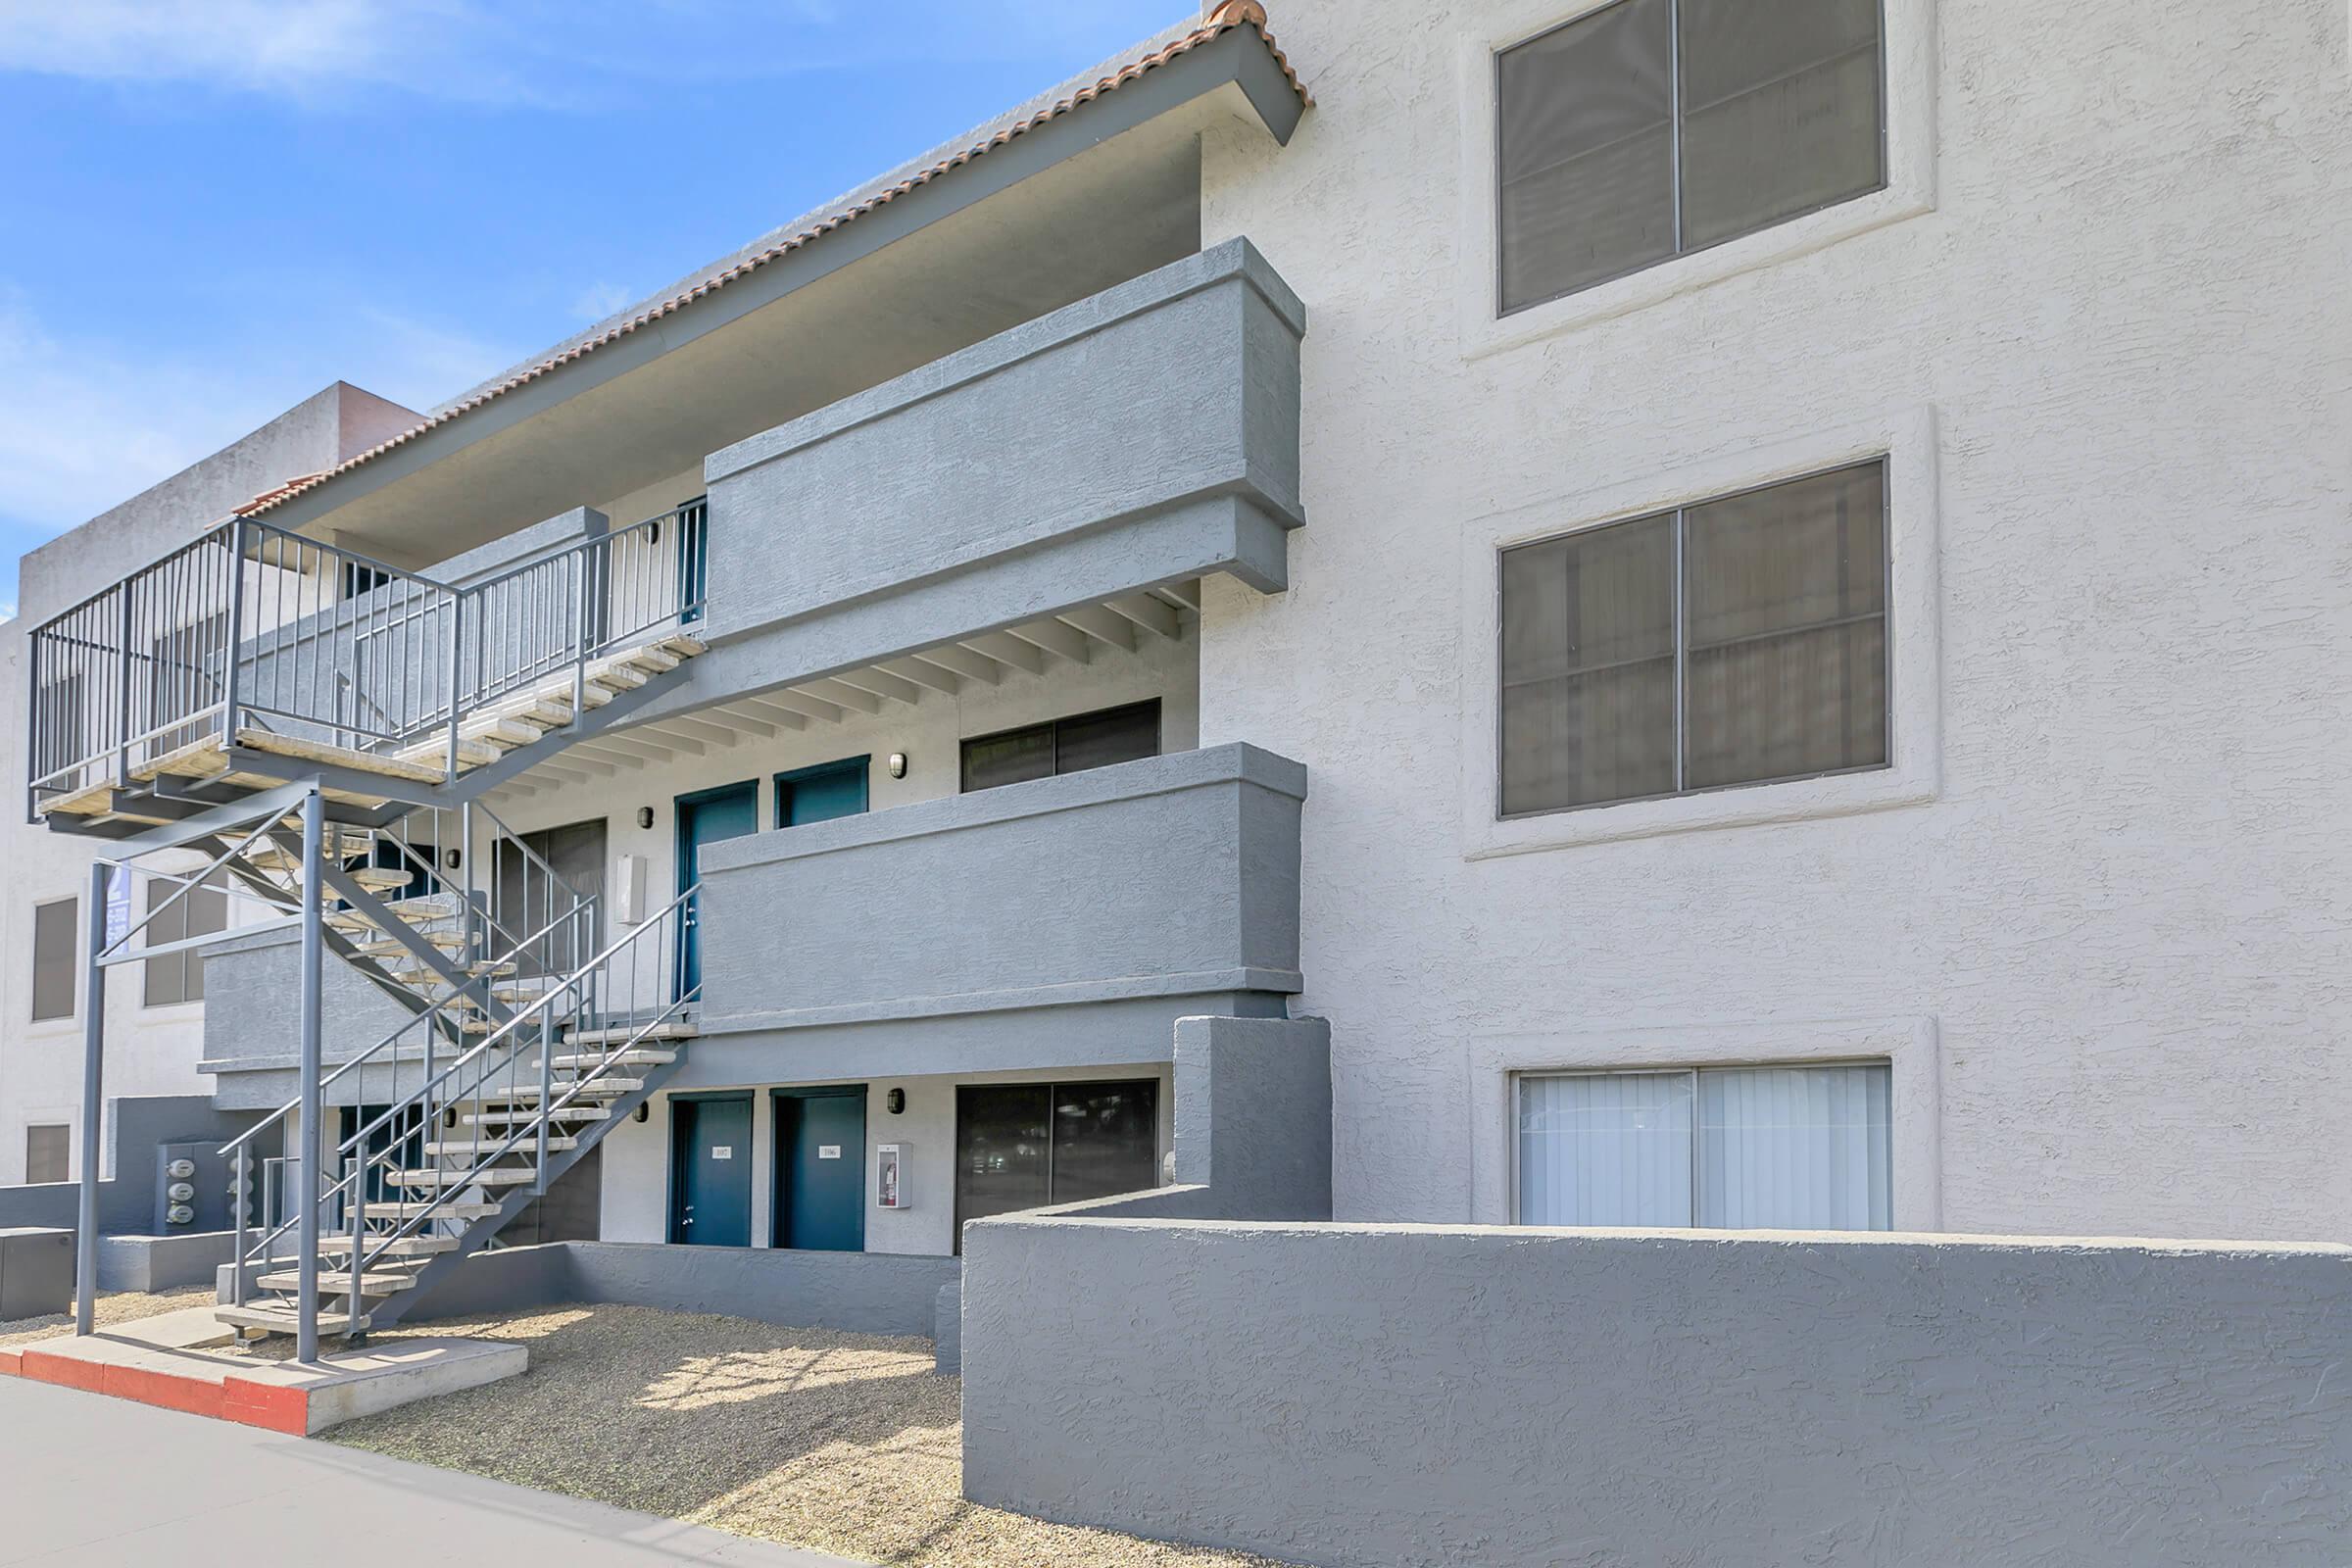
(191,1188)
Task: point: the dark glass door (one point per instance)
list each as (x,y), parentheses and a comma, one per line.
(1025,1146)
(1105,1140)
(404,1130)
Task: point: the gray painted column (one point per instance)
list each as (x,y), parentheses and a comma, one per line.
(314,1155)
(93,1104)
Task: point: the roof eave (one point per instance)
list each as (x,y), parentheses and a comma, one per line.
(1231,48)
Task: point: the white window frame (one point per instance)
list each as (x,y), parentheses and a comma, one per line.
(1907,43)
(1908,1045)
(1913,772)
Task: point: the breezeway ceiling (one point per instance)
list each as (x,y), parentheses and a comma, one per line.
(664,399)
(1117,628)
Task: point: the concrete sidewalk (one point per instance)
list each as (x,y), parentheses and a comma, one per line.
(94,1481)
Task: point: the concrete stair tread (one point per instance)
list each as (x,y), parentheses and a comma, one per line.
(375,1282)
(509,1119)
(633,1058)
(492,1176)
(392,1252)
(443,940)
(555,1141)
(619,1033)
(601,1089)
(406,1209)
(284,1319)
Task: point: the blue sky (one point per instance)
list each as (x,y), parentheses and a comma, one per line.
(216,209)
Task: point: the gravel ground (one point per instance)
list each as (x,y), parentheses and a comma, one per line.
(119,1306)
(840,1443)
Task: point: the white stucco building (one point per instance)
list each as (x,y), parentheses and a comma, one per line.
(1753,602)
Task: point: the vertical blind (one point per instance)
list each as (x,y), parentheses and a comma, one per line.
(1746,1147)
(1651,128)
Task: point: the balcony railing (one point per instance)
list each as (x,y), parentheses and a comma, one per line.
(251,627)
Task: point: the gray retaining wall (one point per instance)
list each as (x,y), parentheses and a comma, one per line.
(1423,1395)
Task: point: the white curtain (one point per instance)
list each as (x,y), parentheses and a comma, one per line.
(1605,1149)
(1795,1148)
(1747,1147)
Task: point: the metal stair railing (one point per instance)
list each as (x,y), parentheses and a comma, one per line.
(627,969)
(441,1025)
(253,627)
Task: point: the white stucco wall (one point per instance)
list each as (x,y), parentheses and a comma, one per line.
(2108,915)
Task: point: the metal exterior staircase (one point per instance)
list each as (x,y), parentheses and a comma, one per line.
(487,1125)
(321,725)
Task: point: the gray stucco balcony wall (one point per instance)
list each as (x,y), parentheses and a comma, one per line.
(253,1036)
(1098,908)
(1147,435)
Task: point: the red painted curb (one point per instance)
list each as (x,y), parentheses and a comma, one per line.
(268,1405)
(166,1389)
(263,1404)
(46,1366)
(239,1400)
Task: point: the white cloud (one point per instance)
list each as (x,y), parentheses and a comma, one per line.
(85,423)
(83,426)
(291,47)
(550,53)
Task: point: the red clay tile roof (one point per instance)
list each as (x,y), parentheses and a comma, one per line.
(1223,19)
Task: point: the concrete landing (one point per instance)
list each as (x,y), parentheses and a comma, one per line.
(174,1361)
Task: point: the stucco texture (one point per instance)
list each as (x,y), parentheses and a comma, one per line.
(1416,1396)
(2121,903)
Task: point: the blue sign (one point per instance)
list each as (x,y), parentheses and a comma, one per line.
(118,904)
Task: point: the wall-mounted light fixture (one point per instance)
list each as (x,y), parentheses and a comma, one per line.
(894,1102)
(898,764)
(645,816)
(453,859)
(645,1110)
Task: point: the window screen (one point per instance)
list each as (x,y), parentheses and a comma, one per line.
(177,977)
(1735,642)
(56,957)
(1064,746)
(49,1153)
(1653,128)
(1736,1149)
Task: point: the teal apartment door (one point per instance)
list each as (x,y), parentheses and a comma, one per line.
(705,817)
(820,1169)
(711,1171)
(822,793)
